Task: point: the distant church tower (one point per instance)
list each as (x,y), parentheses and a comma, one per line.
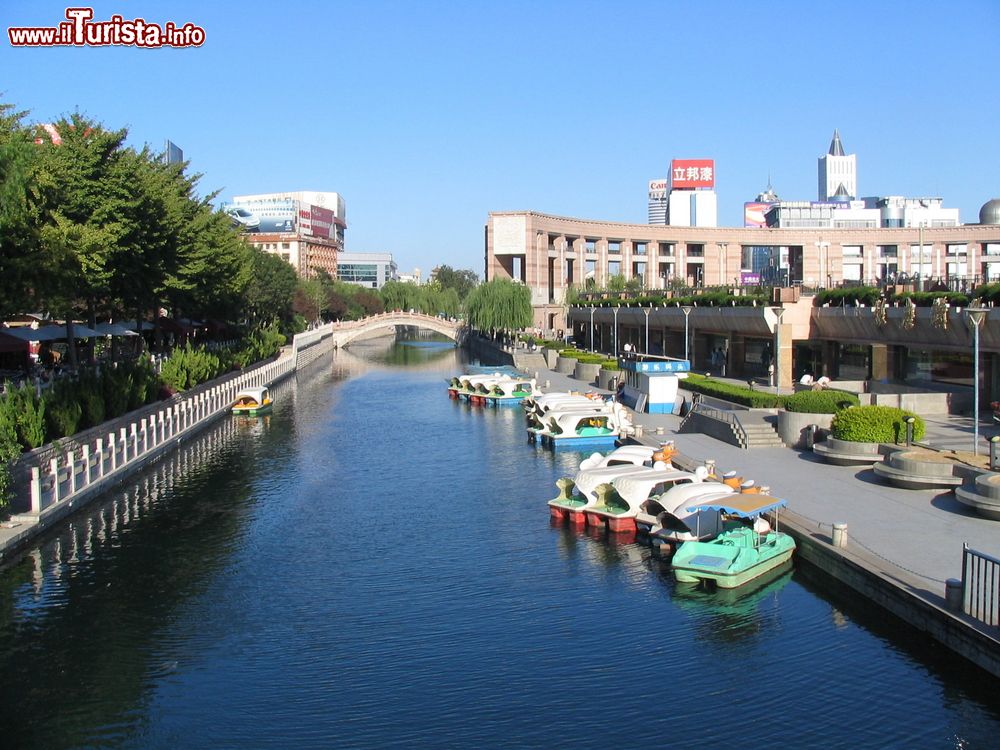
(838,173)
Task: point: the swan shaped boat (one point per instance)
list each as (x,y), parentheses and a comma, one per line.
(621,500)
(576,493)
(252,401)
(575,426)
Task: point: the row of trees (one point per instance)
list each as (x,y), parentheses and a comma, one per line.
(91,227)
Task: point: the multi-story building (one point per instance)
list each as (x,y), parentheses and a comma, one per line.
(546,253)
(306,227)
(658,201)
(551,253)
(370,270)
(838,172)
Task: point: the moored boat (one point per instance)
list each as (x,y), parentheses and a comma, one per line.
(635,455)
(468,384)
(668,521)
(578,494)
(582,426)
(621,500)
(740,554)
(509,390)
(252,401)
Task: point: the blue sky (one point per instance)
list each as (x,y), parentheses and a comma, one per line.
(425,116)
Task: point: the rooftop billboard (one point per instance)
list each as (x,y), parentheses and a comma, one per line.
(688,174)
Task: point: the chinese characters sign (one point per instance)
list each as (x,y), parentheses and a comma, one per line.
(692,173)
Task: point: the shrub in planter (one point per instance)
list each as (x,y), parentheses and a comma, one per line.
(609,364)
(728,392)
(875,424)
(820,402)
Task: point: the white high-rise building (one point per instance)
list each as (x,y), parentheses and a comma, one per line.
(658,201)
(838,173)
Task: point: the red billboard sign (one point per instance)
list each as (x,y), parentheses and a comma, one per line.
(316,221)
(692,173)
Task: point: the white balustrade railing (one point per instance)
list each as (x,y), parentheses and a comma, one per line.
(61,478)
(76,471)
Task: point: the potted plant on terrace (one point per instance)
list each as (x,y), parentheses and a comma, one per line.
(857,434)
(807,409)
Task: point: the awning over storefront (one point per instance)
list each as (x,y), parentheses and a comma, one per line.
(49,333)
(12,343)
(113,329)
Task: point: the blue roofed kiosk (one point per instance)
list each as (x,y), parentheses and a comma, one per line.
(651,382)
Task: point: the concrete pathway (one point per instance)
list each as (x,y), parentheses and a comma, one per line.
(919,532)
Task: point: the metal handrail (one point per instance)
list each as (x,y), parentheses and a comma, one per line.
(722,415)
(980,585)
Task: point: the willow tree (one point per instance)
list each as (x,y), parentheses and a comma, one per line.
(499,305)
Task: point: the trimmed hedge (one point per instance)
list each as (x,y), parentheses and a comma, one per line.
(807,402)
(736,394)
(875,424)
(610,364)
(820,402)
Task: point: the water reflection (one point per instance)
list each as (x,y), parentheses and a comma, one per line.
(370,567)
(732,616)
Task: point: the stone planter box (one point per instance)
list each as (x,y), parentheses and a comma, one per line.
(586,372)
(565,365)
(793,427)
(984,496)
(918,470)
(848,453)
(551,356)
(608,379)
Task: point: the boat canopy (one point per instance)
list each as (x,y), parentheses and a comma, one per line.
(636,488)
(258,394)
(626,454)
(744,506)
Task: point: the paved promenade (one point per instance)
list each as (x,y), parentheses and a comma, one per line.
(915,536)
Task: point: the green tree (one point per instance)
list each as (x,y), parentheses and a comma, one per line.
(270,291)
(310,298)
(21,257)
(499,305)
(462,281)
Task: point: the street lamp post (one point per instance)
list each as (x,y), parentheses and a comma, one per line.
(592,328)
(616,331)
(776,361)
(920,258)
(687,313)
(976,316)
(647,310)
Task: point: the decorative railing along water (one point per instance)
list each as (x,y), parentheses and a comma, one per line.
(57,475)
(980,586)
(113,451)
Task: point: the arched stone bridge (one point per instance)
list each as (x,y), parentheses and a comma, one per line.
(346,331)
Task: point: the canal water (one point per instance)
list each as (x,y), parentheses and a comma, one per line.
(373,566)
